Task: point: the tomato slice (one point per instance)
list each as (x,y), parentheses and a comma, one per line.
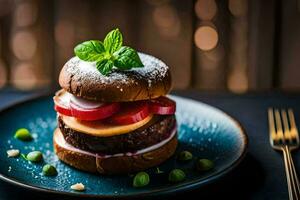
(162,106)
(118,113)
(131,112)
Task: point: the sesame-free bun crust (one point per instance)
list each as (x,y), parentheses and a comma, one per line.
(114,165)
(84,80)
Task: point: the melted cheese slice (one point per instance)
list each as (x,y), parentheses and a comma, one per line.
(100,129)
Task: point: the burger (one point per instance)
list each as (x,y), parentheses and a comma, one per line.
(112,111)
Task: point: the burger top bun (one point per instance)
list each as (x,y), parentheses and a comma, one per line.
(82,79)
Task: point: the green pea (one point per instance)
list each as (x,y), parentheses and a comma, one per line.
(185,156)
(23,134)
(176,175)
(49,170)
(141,179)
(204,165)
(34,156)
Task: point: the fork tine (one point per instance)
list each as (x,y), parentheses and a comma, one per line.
(287,132)
(294,130)
(271,125)
(278,126)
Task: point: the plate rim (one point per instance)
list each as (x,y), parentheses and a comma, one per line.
(156,192)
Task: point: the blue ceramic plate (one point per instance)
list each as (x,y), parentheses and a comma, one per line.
(205,131)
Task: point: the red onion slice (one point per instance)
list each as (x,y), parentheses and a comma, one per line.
(85,104)
(62,103)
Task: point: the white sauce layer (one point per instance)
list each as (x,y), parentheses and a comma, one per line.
(61,142)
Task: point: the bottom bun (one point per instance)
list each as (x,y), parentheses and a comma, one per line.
(90,162)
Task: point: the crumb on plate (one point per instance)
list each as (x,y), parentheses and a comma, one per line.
(78,187)
(13,153)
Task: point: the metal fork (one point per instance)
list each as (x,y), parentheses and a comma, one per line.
(285,138)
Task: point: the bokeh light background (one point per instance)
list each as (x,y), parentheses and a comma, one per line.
(205,42)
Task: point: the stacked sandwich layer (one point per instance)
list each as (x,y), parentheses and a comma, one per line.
(118,123)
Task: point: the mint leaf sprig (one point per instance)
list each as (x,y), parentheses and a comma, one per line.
(109,53)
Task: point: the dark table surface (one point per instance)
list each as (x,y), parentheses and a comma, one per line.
(260,176)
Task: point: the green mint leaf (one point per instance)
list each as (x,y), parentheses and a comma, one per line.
(109,53)
(91,50)
(127,58)
(113,41)
(104,66)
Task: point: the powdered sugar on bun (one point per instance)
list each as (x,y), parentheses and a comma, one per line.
(154,69)
(82,79)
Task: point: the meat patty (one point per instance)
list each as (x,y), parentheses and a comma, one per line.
(158,129)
